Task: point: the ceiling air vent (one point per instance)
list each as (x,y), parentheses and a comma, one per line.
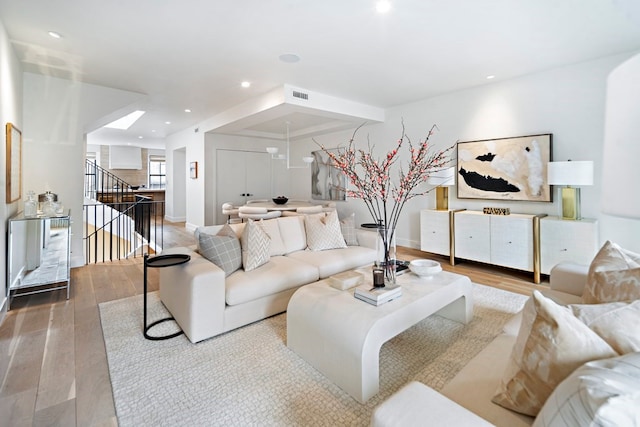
(301,95)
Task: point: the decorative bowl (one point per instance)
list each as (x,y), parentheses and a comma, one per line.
(280,200)
(425,267)
(134,187)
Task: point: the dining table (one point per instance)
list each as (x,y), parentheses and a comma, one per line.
(291,205)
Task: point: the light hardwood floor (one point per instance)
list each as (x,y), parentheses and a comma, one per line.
(53,364)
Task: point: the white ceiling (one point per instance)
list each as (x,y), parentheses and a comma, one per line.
(194,53)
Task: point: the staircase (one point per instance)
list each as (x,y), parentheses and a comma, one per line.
(117,222)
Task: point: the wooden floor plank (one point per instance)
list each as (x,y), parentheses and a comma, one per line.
(57,377)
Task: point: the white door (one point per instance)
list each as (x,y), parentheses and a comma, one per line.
(241,176)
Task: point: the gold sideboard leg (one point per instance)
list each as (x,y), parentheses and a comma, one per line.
(536,248)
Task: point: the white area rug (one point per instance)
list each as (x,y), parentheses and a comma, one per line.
(249,377)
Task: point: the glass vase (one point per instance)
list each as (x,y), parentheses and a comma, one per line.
(386,253)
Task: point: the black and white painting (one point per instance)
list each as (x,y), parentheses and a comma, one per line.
(327,182)
(513,169)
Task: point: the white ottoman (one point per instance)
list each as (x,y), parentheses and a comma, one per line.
(415,404)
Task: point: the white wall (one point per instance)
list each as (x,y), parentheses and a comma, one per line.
(10,111)
(568,102)
(190,143)
(58,114)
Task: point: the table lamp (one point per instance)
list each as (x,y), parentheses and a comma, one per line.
(571,175)
(443,179)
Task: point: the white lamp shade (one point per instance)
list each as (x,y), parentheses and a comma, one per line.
(621,149)
(570,173)
(443,178)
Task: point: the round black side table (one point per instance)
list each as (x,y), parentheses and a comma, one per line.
(160,261)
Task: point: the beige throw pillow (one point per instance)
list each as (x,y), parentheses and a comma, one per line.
(323,232)
(615,322)
(550,345)
(255,246)
(614,275)
(348,229)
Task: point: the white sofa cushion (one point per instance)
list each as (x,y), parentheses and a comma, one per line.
(334,261)
(276,246)
(616,322)
(255,246)
(222,249)
(550,345)
(323,232)
(279,274)
(614,275)
(600,393)
(293,233)
(416,405)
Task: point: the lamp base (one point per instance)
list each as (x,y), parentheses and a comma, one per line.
(442,198)
(570,197)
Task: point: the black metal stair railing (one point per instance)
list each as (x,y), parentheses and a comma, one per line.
(118,223)
(111,234)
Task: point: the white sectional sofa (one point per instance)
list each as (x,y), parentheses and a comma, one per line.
(205,303)
(467,398)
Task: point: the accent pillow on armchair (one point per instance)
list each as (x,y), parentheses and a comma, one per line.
(614,275)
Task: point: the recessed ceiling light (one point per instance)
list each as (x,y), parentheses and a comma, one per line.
(140,137)
(289,58)
(245,84)
(491,77)
(186,110)
(153,131)
(167,123)
(126,121)
(383,6)
(55,35)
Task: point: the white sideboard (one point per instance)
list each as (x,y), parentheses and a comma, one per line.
(563,240)
(505,240)
(435,232)
(525,242)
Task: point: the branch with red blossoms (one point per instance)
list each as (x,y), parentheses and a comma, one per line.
(370,178)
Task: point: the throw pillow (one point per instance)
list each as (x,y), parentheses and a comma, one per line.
(599,393)
(222,249)
(255,246)
(348,229)
(612,321)
(273,230)
(614,275)
(323,232)
(550,345)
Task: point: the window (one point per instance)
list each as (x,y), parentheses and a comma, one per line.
(157,172)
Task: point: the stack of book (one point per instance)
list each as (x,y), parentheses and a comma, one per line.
(377,296)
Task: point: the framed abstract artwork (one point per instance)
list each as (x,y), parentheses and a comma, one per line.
(510,169)
(14,163)
(193,170)
(327,182)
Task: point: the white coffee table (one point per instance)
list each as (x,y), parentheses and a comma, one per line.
(341,336)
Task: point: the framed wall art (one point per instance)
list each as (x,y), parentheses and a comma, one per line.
(193,170)
(14,163)
(510,169)
(327,182)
